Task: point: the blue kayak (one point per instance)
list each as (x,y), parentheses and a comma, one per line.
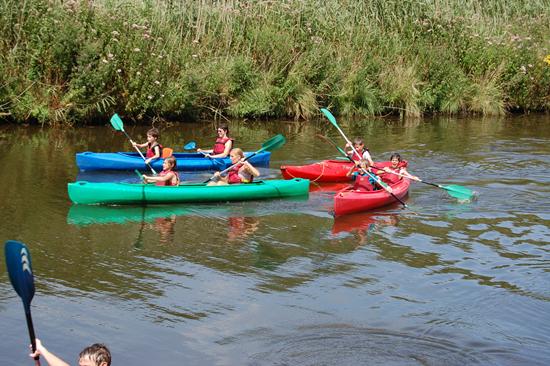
(185,161)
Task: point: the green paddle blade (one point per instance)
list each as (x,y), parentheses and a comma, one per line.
(330,117)
(459,192)
(273,143)
(117,123)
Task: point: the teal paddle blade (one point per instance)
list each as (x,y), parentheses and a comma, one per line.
(191,145)
(273,143)
(117,123)
(459,192)
(330,117)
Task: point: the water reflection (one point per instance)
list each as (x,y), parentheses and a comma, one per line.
(241,228)
(361,224)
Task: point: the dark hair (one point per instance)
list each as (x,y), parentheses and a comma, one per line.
(154,132)
(97,353)
(358,141)
(395,155)
(224,127)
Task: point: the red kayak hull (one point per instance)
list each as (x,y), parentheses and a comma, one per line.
(349,201)
(323,171)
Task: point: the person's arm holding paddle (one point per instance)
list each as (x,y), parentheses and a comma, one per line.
(50,358)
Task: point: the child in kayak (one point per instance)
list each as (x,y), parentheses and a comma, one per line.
(154,149)
(363,152)
(95,355)
(362,180)
(222,146)
(398,166)
(241,172)
(168,176)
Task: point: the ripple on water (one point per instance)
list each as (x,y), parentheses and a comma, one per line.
(342,344)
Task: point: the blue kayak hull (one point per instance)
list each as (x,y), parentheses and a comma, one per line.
(87,161)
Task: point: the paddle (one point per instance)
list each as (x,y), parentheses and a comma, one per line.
(191,145)
(456,191)
(330,141)
(118,125)
(18,262)
(272,144)
(332,120)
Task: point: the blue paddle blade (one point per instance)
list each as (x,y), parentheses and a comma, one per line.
(191,145)
(117,123)
(18,262)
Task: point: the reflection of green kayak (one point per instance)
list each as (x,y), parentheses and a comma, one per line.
(126,193)
(94,214)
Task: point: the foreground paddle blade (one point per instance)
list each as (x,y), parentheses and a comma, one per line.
(191,145)
(330,117)
(117,123)
(18,261)
(459,192)
(273,143)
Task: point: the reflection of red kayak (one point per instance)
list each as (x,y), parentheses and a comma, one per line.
(362,221)
(348,201)
(323,171)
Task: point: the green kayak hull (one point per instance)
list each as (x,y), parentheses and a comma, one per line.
(87,193)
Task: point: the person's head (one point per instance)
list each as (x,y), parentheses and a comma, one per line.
(152,135)
(95,355)
(395,159)
(223,130)
(236,154)
(358,143)
(169,163)
(364,164)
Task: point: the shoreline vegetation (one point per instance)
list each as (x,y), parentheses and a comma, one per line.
(76,62)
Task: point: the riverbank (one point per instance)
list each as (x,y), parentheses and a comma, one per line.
(77,62)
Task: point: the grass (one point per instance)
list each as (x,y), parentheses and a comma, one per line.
(75,62)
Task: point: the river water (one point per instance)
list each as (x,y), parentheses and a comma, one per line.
(282,282)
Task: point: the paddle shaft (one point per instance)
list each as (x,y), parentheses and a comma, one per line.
(232,166)
(377,179)
(140,153)
(32,335)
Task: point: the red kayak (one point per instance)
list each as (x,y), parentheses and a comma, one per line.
(348,200)
(326,170)
(323,171)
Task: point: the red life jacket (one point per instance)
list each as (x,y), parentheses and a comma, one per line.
(358,156)
(169,181)
(234,177)
(151,150)
(362,183)
(219,145)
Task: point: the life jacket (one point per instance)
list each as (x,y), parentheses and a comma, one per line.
(235,175)
(169,181)
(151,150)
(219,145)
(359,155)
(364,183)
(390,178)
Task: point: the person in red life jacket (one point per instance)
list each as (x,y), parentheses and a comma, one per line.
(222,146)
(168,176)
(362,152)
(95,355)
(362,180)
(398,166)
(241,172)
(154,149)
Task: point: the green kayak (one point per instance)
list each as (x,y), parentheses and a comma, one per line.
(83,192)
